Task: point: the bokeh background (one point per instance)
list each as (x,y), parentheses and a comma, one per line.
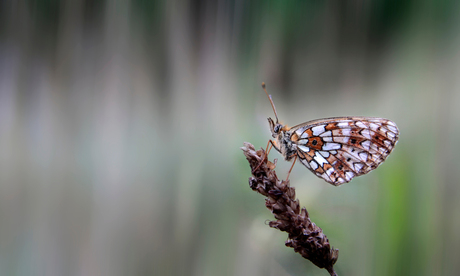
(121,122)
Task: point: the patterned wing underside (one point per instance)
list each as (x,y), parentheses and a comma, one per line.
(339,149)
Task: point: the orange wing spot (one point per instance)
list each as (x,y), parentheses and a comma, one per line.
(331,126)
(311,153)
(315,143)
(327,166)
(309,132)
(319,170)
(301,154)
(294,137)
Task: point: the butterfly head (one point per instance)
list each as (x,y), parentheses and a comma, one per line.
(275,128)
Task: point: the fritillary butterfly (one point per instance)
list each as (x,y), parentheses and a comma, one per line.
(335,149)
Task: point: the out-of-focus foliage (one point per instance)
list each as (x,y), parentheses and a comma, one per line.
(121,122)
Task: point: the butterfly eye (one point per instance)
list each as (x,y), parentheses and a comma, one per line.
(277,128)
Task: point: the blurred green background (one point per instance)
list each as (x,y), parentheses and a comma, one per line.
(121,122)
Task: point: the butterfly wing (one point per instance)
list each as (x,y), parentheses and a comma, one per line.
(338,149)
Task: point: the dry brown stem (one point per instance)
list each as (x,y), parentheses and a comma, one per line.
(304,236)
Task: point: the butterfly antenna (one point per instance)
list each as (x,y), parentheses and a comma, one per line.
(271,101)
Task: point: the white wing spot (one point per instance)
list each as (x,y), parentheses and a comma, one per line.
(303,148)
(305,162)
(349,175)
(387,143)
(327,139)
(300,131)
(304,135)
(363,155)
(360,124)
(366,144)
(320,159)
(327,133)
(302,142)
(329,172)
(324,153)
(313,164)
(391,135)
(346,132)
(333,152)
(331,146)
(374,147)
(374,126)
(392,128)
(358,166)
(317,130)
(342,125)
(366,133)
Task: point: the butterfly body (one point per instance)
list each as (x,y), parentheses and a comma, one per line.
(336,149)
(283,142)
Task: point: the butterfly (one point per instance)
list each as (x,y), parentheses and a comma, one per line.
(335,149)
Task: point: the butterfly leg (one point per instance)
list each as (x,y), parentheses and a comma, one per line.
(267,151)
(295,159)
